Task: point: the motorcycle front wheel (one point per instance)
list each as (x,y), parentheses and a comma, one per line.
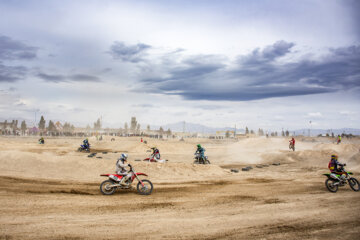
(207,162)
(146,189)
(329,183)
(354,184)
(106,189)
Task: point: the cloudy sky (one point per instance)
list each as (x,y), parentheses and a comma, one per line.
(269,64)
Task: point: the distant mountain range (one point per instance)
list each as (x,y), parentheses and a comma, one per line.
(199,128)
(194,127)
(315,132)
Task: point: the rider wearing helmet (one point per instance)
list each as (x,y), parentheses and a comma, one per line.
(155,153)
(121,165)
(292,143)
(201,151)
(339,139)
(333,164)
(86,143)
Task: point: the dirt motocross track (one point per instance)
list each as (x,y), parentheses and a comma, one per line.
(52,192)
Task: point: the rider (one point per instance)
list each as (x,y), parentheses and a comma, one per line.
(333,166)
(41,140)
(339,139)
(155,154)
(121,165)
(201,151)
(292,142)
(86,143)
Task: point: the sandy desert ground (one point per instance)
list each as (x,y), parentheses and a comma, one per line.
(51,191)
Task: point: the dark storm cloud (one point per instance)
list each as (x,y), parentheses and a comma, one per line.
(189,71)
(128,53)
(15,50)
(12,74)
(52,77)
(261,75)
(268,54)
(84,78)
(71,78)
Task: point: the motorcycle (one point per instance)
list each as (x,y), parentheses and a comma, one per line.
(291,146)
(153,159)
(340,179)
(201,160)
(108,187)
(84,148)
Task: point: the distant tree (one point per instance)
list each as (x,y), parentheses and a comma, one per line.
(332,135)
(275,134)
(138,128)
(148,127)
(161,131)
(97,124)
(23,127)
(287,133)
(42,123)
(327,134)
(282,133)
(252,132)
(227,134)
(168,132)
(51,127)
(246,131)
(126,128)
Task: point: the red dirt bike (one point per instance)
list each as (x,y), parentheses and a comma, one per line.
(152,158)
(108,187)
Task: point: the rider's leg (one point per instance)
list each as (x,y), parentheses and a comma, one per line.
(125,178)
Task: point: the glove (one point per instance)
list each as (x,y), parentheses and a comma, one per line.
(129,165)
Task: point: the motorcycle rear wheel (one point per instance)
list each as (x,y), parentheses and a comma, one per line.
(146,189)
(329,183)
(354,184)
(105,189)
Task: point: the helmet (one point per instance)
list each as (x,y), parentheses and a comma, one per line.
(199,146)
(334,156)
(123,157)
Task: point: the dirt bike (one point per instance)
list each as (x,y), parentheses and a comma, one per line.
(153,159)
(84,148)
(340,179)
(291,146)
(201,160)
(108,187)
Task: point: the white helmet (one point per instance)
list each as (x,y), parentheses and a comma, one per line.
(123,156)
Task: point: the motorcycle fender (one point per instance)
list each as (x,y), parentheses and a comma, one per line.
(327,175)
(139,174)
(105,175)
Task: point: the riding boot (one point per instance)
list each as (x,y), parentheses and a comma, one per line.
(123,181)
